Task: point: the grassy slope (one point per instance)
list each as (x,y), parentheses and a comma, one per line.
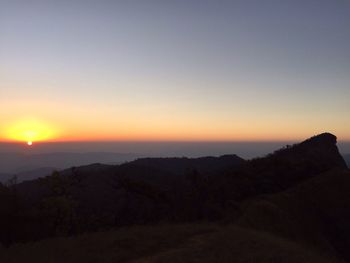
(176,243)
(314,213)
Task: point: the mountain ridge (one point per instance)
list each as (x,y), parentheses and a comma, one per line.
(298,194)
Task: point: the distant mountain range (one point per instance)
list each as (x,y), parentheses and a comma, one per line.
(31,166)
(27,175)
(180,166)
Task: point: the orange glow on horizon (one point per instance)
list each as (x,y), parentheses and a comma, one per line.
(29,131)
(194,137)
(33,130)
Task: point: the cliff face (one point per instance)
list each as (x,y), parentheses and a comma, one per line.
(313,207)
(321,149)
(282,169)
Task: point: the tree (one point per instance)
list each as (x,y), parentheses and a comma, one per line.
(59,207)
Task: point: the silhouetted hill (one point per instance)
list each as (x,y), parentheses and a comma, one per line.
(347,159)
(180,166)
(315,213)
(13,163)
(27,175)
(4,177)
(34,174)
(104,186)
(146,191)
(295,200)
(280,170)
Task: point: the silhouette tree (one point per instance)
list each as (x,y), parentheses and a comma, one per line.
(59,208)
(9,211)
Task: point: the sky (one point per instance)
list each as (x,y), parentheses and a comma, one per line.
(147,70)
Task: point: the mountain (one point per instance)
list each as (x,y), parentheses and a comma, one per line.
(180,166)
(291,206)
(13,163)
(347,159)
(5,177)
(137,191)
(149,190)
(27,175)
(34,174)
(280,170)
(315,213)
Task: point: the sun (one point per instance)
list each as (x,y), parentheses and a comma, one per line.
(30,131)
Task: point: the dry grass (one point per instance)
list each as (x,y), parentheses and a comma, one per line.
(120,245)
(170,244)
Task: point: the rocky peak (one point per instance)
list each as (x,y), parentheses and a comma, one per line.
(287,167)
(321,149)
(324,139)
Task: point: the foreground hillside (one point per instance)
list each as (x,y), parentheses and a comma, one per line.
(315,213)
(167,244)
(347,159)
(290,206)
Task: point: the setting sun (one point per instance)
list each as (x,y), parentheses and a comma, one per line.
(30,131)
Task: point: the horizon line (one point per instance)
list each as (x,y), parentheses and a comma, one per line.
(165,141)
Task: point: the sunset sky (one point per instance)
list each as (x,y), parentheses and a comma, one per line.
(182,70)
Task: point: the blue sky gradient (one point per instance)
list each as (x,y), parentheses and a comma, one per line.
(177,70)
